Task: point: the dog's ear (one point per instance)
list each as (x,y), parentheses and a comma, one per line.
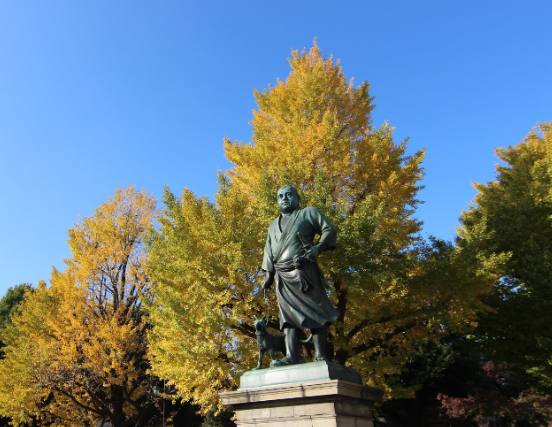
(264,319)
(255,318)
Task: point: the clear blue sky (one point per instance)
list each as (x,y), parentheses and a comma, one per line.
(104,93)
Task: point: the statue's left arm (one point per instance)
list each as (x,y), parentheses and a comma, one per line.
(327,231)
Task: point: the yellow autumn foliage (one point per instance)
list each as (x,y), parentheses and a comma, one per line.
(313,131)
(75,355)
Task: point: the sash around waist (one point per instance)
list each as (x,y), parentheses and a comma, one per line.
(288,265)
(285,269)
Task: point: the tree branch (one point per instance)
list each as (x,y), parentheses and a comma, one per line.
(365,322)
(381,341)
(81,405)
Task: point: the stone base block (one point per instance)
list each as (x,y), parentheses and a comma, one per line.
(301,373)
(322,403)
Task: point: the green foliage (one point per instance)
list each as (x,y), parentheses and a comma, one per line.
(512,217)
(10,302)
(9,305)
(457,388)
(434,366)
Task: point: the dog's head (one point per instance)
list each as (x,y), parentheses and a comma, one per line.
(260,325)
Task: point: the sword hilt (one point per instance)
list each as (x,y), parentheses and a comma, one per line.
(305,245)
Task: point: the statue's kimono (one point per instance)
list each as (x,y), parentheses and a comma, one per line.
(300,285)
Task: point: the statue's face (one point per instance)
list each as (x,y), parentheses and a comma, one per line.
(288,199)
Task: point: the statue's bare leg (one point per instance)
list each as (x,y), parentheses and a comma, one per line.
(320,337)
(292,344)
(292,348)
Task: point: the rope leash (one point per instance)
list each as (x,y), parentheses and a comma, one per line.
(267,304)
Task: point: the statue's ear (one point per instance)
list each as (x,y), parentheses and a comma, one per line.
(255,318)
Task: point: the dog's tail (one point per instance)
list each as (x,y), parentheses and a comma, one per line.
(308,340)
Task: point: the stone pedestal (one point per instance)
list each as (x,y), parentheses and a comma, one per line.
(318,394)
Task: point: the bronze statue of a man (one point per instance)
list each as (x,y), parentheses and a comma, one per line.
(290,258)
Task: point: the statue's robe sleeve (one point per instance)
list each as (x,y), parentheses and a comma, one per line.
(323,226)
(268,260)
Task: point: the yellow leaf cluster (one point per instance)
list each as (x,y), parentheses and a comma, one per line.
(76,353)
(203,292)
(313,131)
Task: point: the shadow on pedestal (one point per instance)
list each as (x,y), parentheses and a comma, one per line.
(317,394)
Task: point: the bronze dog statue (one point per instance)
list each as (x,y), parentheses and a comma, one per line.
(268,342)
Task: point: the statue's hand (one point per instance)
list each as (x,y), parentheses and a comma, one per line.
(268,280)
(312,253)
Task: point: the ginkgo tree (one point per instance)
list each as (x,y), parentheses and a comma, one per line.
(512,216)
(75,353)
(313,131)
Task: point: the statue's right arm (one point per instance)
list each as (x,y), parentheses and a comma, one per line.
(268,280)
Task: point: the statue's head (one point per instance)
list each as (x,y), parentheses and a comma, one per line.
(288,199)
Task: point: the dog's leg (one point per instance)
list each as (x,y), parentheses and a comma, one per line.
(261,354)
